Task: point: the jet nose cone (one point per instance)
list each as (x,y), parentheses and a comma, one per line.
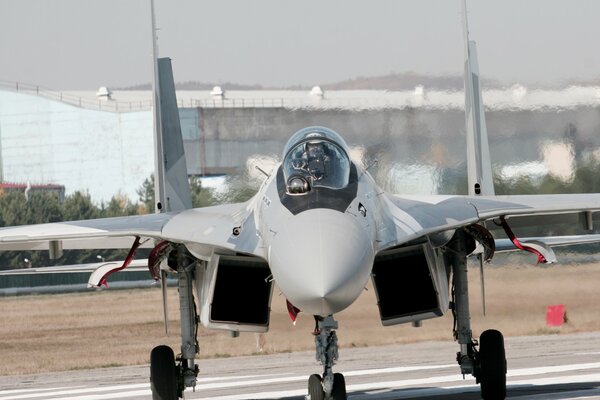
(321,260)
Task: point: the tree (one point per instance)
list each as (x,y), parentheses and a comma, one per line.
(202,197)
(79,206)
(15,209)
(119,206)
(146,195)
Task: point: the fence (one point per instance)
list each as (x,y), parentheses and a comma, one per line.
(78,101)
(300,100)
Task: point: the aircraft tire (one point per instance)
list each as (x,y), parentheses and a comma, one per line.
(339,387)
(315,388)
(492,365)
(163,374)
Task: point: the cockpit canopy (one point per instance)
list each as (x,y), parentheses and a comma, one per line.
(315,157)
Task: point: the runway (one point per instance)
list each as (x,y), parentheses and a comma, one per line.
(540,367)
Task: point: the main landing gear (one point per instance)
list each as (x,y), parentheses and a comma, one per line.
(330,386)
(488,363)
(170,376)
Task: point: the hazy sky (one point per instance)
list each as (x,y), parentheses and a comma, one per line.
(83,44)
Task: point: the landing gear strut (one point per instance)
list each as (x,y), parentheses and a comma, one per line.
(488,363)
(168,378)
(331,386)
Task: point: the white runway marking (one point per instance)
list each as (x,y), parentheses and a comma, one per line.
(69,391)
(549,370)
(396,369)
(539,376)
(17,391)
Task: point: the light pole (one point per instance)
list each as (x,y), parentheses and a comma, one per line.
(27,262)
(99,257)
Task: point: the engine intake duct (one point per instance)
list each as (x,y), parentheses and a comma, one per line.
(410,284)
(235,293)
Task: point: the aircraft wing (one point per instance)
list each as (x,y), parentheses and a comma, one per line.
(419,216)
(211,227)
(536,206)
(101,232)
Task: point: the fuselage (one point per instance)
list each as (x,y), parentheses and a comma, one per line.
(319,222)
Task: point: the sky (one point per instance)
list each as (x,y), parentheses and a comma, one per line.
(84,44)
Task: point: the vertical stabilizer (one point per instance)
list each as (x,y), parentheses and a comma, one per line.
(171,185)
(171,179)
(479,166)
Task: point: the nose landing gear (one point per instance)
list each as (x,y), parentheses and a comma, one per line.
(331,386)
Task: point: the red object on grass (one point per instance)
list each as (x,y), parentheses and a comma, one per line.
(556,315)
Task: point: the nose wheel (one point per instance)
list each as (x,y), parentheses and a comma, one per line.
(315,388)
(339,387)
(316,392)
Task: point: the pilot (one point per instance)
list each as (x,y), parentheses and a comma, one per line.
(314,160)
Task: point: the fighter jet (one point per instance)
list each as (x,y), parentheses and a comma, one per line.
(319,228)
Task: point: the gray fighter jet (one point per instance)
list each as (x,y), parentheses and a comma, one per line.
(319,228)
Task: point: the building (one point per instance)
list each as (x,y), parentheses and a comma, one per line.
(27,188)
(102,142)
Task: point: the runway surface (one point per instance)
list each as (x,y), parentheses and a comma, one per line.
(540,367)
